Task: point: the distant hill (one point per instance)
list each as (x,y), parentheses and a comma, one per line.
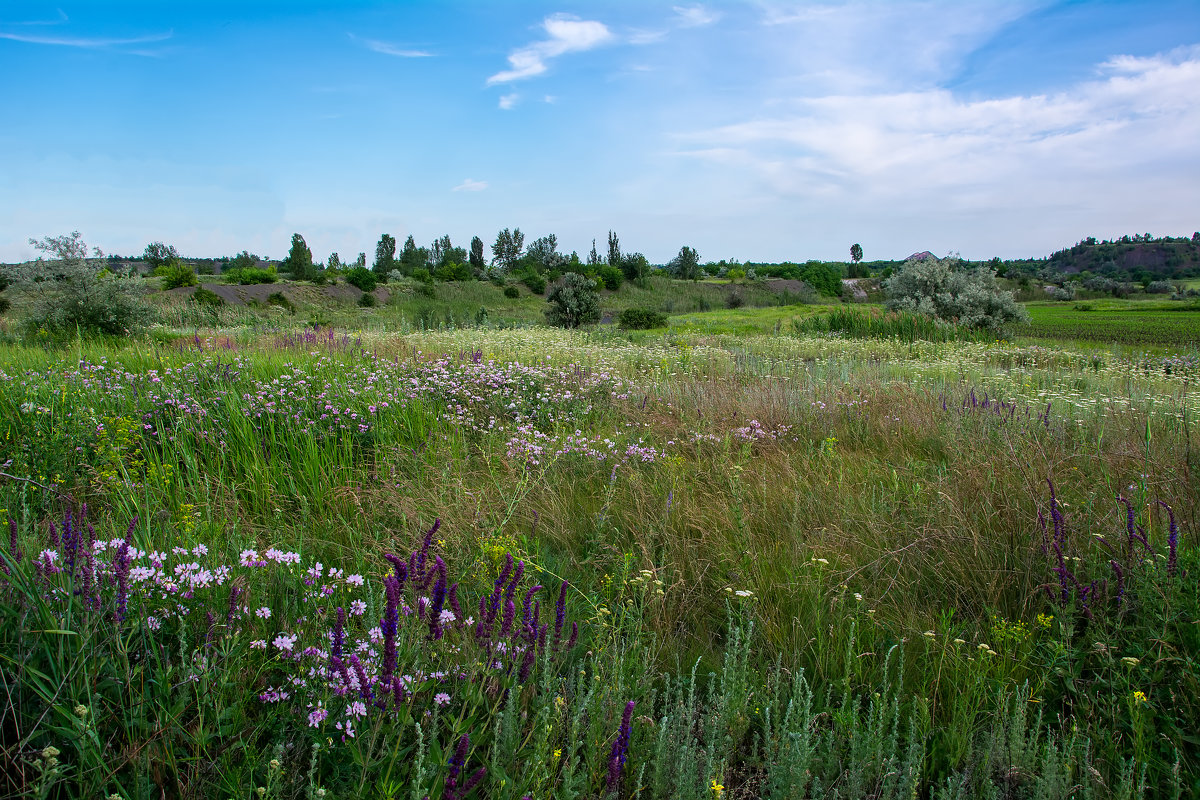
(1131,257)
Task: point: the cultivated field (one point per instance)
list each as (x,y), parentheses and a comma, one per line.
(710,562)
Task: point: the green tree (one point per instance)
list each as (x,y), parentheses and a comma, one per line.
(478,264)
(543,254)
(822,277)
(593,256)
(636,267)
(856,255)
(385,256)
(299,260)
(950,290)
(507,250)
(685,265)
(158,254)
(572,302)
(334,262)
(614,250)
(72,292)
(413,258)
(443,253)
(176,274)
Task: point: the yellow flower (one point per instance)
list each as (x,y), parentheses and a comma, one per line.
(717,788)
(558,753)
(1140,697)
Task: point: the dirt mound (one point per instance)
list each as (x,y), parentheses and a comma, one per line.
(259,292)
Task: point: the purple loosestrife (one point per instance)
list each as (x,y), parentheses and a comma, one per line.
(401,568)
(574,635)
(453,790)
(388,626)
(338,666)
(53,535)
(518,573)
(438,602)
(1120,573)
(527,663)
(13,550)
(560,614)
(121,566)
(364,684)
(510,615)
(235,593)
(526,607)
(620,750)
(452,598)
(1172,541)
(424,551)
(339,634)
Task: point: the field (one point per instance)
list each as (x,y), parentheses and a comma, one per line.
(1142,322)
(727,560)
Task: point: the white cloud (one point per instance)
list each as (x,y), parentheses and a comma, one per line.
(71,41)
(389,49)
(1137,124)
(507,101)
(551,99)
(567,34)
(695,16)
(469,185)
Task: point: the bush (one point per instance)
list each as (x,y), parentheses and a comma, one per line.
(640,319)
(207,297)
(1159,287)
(422,275)
(535,283)
(280,300)
(573,302)
(512,292)
(68,294)
(822,277)
(944,289)
(176,274)
(734,300)
(362,279)
(5,305)
(610,276)
(248,276)
(367,300)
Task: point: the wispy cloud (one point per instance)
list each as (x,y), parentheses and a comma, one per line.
(469,185)
(390,49)
(59,20)
(507,101)
(695,16)
(97,43)
(567,34)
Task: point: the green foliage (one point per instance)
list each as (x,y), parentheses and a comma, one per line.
(247,276)
(635,267)
(641,319)
(685,265)
(454,271)
(947,290)
(506,250)
(572,302)
(856,253)
(476,260)
(299,261)
(872,324)
(158,254)
(367,300)
(362,278)
(822,277)
(206,297)
(243,260)
(512,292)
(175,274)
(70,292)
(280,300)
(534,282)
(334,262)
(610,276)
(385,256)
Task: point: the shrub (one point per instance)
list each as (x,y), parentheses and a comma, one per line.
(5,305)
(176,274)
(512,292)
(207,297)
(734,300)
(945,289)
(1159,287)
(422,275)
(426,290)
(247,276)
(280,300)
(536,283)
(822,277)
(367,300)
(639,319)
(573,302)
(68,294)
(362,279)
(610,276)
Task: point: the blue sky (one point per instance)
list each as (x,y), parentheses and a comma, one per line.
(754,130)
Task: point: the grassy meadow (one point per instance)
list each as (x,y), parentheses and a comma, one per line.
(747,556)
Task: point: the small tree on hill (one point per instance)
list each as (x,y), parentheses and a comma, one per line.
(948,290)
(385,256)
(478,264)
(686,264)
(572,302)
(856,255)
(71,292)
(158,255)
(507,249)
(299,260)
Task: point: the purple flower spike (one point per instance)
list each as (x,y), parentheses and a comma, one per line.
(388,626)
(574,635)
(235,593)
(12,541)
(1172,541)
(453,789)
(526,607)
(364,684)
(452,598)
(620,749)
(1120,573)
(339,633)
(560,613)
(510,615)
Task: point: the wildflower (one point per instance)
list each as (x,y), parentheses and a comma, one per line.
(354,580)
(1044,620)
(285,642)
(258,644)
(929,634)
(1140,697)
(744,593)
(153,623)
(441,698)
(620,748)
(1131,661)
(263,613)
(81,711)
(358,608)
(716,787)
(960,641)
(317,716)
